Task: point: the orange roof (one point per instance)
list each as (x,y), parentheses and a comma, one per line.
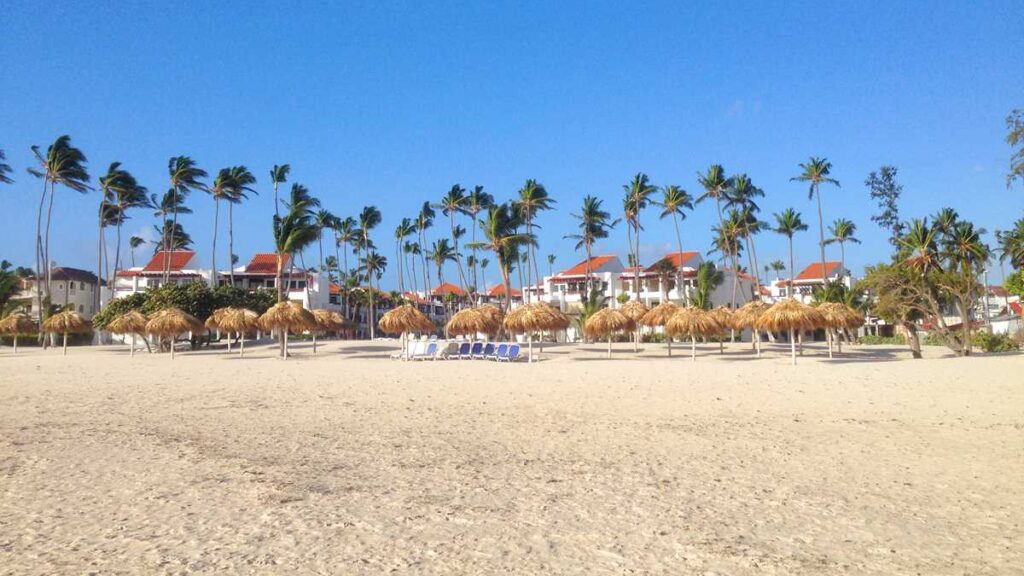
(596,263)
(813,272)
(334,289)
(499,290)
(415,298)
(265,263)
(448,288)
(179,258)
(678,260)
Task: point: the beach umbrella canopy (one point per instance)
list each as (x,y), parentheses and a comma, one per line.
(659,316)
(285,317)
(492,313)
(471,321)
(405,318)
(790,315)
(67,322)
(213,322)
(547,317)
(635,310)
(15,324)
(723,316)
(170,323)
(837,317)
(240,321)
(605,322)
(854,319)
(691,322)
(132,322)
(746,316)
(328,320)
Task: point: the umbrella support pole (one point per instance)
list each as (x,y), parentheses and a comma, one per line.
(132,353)
(792,345)
(172,347)
(15,343)
(65,343)
(284,350)
(669,340)
(828,336)
(693,348)
(757,342)
(229,339)
(314,342)
(609,345)
(839,342)
(529,347)
(241,345)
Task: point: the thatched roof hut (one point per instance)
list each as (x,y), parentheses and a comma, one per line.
(240,321)
(67,322)
(691,322)
(790,315)
(17,323)
(470,321)
(605,322)
(172,322)
(405,318)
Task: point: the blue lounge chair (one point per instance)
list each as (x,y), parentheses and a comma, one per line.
(464,350)
(428,354)
(511,355)
(501,352)
(477,350)
(488,351)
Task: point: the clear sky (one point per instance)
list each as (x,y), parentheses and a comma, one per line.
(390,103)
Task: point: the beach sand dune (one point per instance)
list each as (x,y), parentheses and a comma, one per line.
(347,463)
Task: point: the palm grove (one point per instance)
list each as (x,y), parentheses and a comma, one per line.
(935,264)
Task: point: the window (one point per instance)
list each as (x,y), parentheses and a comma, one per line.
(81,309)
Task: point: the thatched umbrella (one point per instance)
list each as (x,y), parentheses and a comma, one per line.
(67,322)
(605,322)
(723,316)
(536,317)
(172,322)
(659,316)
(747,316)
(18,323)
(791,315)
(131,322)
(286,316)
(635,310)
(470,321)
(835,317)
(692,322)
(326,321)
(239,321)
(493,314)
(404,319)
(215,319)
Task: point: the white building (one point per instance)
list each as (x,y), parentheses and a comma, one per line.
(70,288)
(804,284)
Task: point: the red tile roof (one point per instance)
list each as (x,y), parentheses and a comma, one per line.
(1016,307)
(997,291)
(813,272)
(334,289)
(448,288)
(415,298)
(265,263)
(678,259)
(499,291)
(179,259)
(596,263)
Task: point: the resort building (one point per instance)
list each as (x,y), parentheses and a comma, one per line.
(182,266)
(70,288)
(810,278)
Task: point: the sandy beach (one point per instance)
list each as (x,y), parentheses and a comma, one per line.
(348,463)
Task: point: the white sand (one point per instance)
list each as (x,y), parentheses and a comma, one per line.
(348,463)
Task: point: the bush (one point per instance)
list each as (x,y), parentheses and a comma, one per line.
(872,340)
(994,342)
(933,339)
(196,299)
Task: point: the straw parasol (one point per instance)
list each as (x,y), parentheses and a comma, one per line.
(747,316)
(326,321)
(635,310)
(835,317)
(286,316)
(131,322)
(470,321)
(17,323)
(659,316)
(692,322)
(535,317)
(493,314)
(790,315)
(606,321)
(214,322)
(404,319)
(67,322)
(723,316)
(240,321)
(172,322)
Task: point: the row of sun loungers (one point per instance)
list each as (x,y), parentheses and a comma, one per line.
(434,350)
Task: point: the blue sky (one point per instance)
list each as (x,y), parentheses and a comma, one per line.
(390,103)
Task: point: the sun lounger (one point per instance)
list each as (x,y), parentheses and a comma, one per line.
(464,348)
(411,348)
(501,351)
(511,354)
(428,354)
(487,352)
(477,350)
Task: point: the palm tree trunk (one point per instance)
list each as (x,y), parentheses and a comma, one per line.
(170,248)
(842,256)
(792,271)
(99,261)
(231,243)
(46,245)
(39,260)
(320,243)
(679,269)
(117,260)
(213,256)
(821,235)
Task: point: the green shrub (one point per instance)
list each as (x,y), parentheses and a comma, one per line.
(872,340)
(994,342)
(933,339)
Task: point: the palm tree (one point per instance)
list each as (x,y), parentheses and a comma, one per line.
(551,264)
(278,175)
(484,262)
(369,218)
(323,220)
(119,191)
(242,181)
(374,265)
(777,266)
(788,223)
(133,243)
(453,203)
(440,253)
(185,176)
(843,231)
(638,194)
(293,233)
(502,237)
(741,196)
(673,202)
(707,279)
(181,239)
(533,198)
(412,250)
(476,201)
(816,171)
(65,165)
(109,215)
(945,220)
(404,229)
(1011,244)
(716,186)
(346,234)
(5,169)
(594,224)
(918,246)
(125,197)
(424,220)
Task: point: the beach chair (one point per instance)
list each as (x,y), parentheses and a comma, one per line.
(428,354)
(511,354)
(488,351)
(476,351)
(500,352)
(464,348)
